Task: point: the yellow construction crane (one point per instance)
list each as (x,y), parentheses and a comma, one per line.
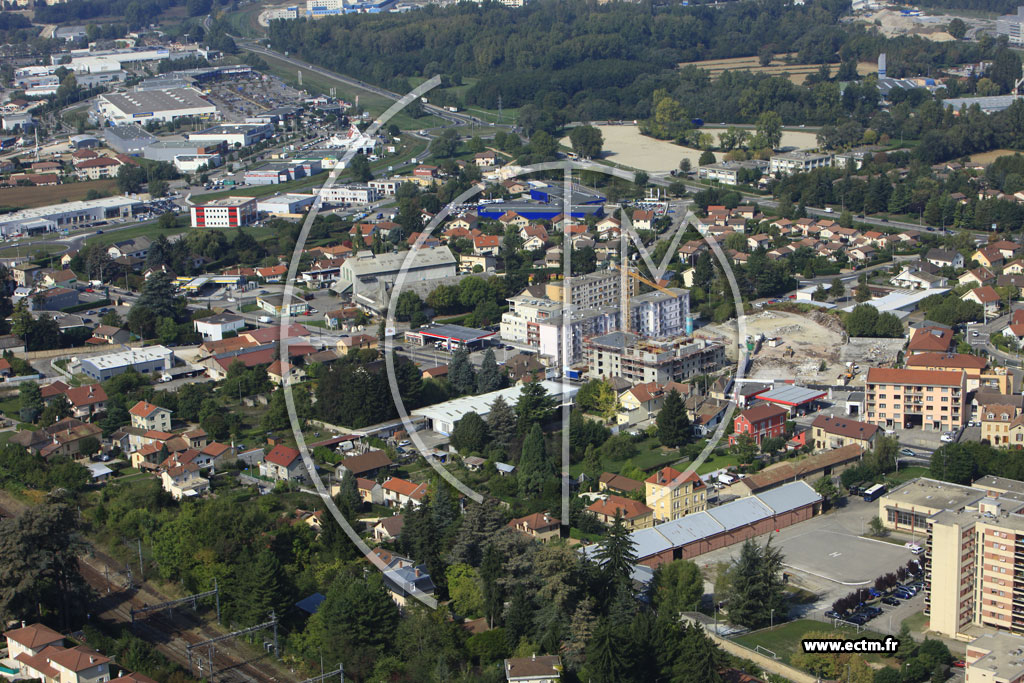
(626,317)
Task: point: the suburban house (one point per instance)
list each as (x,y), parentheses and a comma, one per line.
(930,338)
(388,528)
(986,296)
(634,514)
(216,327)
(618,483)
(184,481)
(283,464)
(147,416)
(945,258)
(761,422)
(398,492)
(369,491)
(31,640)
(540,526)
(366,465)
(534,669)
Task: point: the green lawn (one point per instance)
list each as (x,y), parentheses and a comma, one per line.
(917,623)
(906,474)
(717,462)
(29,249)
(150,230)
(10,407)
(784,640)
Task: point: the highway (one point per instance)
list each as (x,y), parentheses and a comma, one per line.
(454,118)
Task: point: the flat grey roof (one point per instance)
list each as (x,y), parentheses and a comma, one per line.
(792,496)
(791,394)
(740,513)
(157,100)
(649,541)
(929,493)
(690,528)
(380,263)
(455,332)
(129,131)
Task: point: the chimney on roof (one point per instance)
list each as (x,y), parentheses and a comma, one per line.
(417,572)
(92,660)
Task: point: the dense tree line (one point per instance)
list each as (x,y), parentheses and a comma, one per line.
(618,56)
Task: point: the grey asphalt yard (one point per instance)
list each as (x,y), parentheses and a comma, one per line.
(840,556)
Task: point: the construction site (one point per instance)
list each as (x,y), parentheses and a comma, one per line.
(784,345)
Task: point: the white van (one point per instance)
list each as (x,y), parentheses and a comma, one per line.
(265,319)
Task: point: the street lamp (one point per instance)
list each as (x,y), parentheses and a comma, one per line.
(772,622)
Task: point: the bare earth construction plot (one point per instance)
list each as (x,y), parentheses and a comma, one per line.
(797,73)
(627,146)
(807,340)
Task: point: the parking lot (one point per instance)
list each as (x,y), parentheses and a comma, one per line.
(829,557)
(841,557)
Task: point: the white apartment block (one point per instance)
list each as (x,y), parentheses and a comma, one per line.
(601,288)
(658,314)
(538,323)
(349,194)
(788,163)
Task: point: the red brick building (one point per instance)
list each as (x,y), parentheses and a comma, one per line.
(761,422)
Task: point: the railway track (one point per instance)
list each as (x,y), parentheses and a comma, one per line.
(171,634)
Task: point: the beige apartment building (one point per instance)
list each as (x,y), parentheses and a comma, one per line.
(974,559)
(672,495)
(918,399)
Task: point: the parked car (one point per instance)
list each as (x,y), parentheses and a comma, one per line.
(889,600)
(873,593)
(907,451)
(902,595)
(872,611)
(858,619)
(832,614)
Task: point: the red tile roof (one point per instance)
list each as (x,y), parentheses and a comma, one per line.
(938,378)
(668,476)
(627,507)
(763,411)
(34,636)
(88,395)
(282,455)
(952,361)
(144,409)
(931,339)
(405,488)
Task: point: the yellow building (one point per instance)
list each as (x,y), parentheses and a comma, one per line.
(996,424)
(634,514)
(672,495)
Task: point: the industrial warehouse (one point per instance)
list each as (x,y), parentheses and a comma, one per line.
(725,525)
(66,215)
(159,106)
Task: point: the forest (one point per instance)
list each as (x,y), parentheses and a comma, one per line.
(616,55)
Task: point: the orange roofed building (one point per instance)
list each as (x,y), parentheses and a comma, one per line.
(923,399)
(671,494)
(635,515)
